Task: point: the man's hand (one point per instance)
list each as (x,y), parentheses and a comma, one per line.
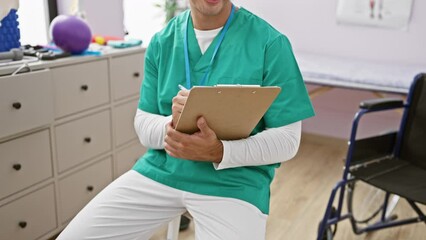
(177,105)
(200,146)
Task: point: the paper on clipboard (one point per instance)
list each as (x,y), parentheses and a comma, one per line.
(231,111)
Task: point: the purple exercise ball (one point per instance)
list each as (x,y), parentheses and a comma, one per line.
(71,34)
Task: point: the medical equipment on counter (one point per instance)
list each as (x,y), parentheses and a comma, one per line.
(14,54)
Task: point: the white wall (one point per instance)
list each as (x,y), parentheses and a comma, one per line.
(33,22)
(311,26)
(104,17)
(142,19)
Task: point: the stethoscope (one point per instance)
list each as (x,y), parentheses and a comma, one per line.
(218,43)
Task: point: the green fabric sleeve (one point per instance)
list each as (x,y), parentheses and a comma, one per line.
(148,97)
(281,69)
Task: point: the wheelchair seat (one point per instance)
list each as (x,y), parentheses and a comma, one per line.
(395,176)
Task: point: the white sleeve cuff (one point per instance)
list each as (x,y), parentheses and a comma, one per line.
(225,158)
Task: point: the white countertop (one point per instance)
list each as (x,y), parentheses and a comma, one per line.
(7,68)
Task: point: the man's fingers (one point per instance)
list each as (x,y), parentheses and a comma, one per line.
(171,142)
(204,127)
(177,108)
(177,136)
(170,150)
(181,97)
(183,93)
(179,100)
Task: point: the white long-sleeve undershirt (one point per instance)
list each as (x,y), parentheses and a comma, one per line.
(270,146)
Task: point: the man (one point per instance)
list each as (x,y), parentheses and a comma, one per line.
(223,184)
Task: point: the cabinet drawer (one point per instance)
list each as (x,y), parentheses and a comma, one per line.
(79,87)
(78,189)
(127,157)
(124,116)
(26,101)
(24,161)
(82,139)
(29,217)
(126,75)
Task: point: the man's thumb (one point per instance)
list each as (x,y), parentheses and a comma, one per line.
(203,126)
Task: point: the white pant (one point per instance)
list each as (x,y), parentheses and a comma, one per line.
(134,207)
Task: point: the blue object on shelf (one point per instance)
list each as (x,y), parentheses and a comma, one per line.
(9,32)
(124,43)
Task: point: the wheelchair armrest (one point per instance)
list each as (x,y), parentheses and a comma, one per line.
(368,149)
(382,103)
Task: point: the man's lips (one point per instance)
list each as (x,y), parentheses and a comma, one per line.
(212,1)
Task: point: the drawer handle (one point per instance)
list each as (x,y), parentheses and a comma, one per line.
(136,74)
(17,166)
(17,105)
(84,87)
(22,224)
(90,188)
(87,139)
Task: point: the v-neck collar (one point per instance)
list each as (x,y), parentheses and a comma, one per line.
(198,61)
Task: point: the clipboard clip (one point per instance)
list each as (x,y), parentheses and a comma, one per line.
(236,85)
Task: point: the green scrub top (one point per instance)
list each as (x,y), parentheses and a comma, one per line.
(252,52)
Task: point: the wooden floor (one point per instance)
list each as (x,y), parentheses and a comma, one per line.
(300,192)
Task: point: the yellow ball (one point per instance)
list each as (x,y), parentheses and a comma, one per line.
(100,40)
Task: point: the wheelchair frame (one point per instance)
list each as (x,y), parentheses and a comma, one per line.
(332,216)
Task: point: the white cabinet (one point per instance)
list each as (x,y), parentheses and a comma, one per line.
(82,139)
(25,161)
(127,157)
(66,131)
(80,86)
(29,217)
(26,102)
(124,116)
(126,75)
(79,188)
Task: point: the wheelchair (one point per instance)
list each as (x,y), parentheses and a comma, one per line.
(393,164)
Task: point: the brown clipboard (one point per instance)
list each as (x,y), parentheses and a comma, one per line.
(231,111)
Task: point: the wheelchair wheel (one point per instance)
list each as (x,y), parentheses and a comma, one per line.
(330,231)
(328,234)
(367,204)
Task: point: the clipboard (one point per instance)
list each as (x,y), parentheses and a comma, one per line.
(231,111)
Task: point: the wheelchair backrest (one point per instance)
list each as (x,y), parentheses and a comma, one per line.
(413,128)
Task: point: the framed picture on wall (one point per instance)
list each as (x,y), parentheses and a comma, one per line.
(377,13)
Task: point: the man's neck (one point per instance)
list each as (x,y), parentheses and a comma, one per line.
(203,22)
